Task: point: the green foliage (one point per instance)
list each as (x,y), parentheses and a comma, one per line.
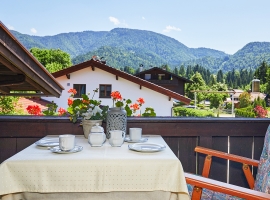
(51,109)
(245,112)
(259,102)
(8,105)
(228,105)
(53,59)
(244,100)
(197,84)
(261,72)
(149,112)
(190,112)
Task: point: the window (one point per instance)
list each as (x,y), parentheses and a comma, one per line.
(105,91)
(80,88)
(147,76)
(161,76)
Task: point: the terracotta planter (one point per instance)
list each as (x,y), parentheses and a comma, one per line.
(88,124)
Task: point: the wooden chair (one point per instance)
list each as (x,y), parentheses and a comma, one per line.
(201,187)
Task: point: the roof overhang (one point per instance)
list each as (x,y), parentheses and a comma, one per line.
(20,72)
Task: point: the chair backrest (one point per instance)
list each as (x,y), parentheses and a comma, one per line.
(262,182)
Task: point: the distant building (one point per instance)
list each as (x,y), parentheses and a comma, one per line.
(87,76)
(164,79)
(253,96)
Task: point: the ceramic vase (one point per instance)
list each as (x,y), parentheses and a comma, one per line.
(116,120)
(88,124)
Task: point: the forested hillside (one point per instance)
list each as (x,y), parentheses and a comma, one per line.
(146,45)
(123,47)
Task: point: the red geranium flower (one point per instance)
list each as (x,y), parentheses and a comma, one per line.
(135,106)
(72,91)
(116,95)
(141,101)
(70,101)
(61,111)
(33,110)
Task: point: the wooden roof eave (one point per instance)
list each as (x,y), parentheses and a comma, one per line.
(24,62)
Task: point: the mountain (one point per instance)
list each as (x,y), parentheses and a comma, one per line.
(147,46)
(122,47)
(249,57)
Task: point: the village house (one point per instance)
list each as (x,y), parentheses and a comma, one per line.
(164,79)
(87,76)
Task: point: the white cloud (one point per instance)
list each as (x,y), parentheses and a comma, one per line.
(171,28)
(114,20)
(33,30)
(10,27)
(143,18)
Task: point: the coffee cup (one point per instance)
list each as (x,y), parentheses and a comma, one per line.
(135,134)
(66,142)
(117,138)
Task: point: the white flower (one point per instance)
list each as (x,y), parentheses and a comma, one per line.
(88,114)
(97,110)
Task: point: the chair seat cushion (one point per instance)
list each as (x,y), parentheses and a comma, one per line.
(262,182)
(212,195)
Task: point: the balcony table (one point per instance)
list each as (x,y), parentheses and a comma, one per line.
(94,173)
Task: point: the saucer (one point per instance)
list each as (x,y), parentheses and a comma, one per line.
(143,139)
(146,147)
(47,143)
(58,150)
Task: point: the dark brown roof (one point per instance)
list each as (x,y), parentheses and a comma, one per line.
(165,72)
(118,73)
(21,72)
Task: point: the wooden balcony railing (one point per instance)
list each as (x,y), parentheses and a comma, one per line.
(241,136)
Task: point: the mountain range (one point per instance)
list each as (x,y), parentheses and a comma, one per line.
(122,47)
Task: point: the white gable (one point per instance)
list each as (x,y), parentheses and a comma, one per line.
(128,89)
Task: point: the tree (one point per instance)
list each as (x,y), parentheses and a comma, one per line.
(176,71)
(8,105)
(261,71)
(244,100)
(53,59)
(267,89)
(197,84)
(220,76)
(166,67)
(217,98)
(212,80)
(182,70)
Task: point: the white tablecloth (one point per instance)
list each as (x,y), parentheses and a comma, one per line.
(95,169)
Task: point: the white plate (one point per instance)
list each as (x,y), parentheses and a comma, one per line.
(146,147)
(58,150)
(47,143)
(143,139)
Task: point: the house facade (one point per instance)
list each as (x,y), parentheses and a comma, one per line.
(88,76)
(164,79)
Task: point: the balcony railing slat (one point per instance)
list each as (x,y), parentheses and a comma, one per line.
(239,146)
(219,166)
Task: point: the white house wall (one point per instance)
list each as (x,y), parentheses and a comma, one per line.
(128,89)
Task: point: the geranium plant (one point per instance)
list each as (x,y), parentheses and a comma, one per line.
(88,109)
(260,112)
(130,108)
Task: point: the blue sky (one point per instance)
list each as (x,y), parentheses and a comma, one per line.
(226,25)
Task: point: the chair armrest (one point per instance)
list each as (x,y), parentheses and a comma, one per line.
(232,157)
(225,188)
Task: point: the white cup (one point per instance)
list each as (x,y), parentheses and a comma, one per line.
(117,138)
(66,142)
(135,134)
